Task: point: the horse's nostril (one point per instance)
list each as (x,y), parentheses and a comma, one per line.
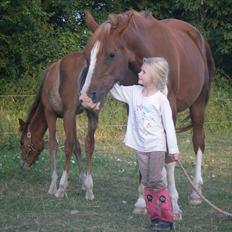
(94,96)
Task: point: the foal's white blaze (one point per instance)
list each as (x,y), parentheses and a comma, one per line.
(93,60)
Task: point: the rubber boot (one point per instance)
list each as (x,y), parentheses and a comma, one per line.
(152,204)
(166,211)
(166,221)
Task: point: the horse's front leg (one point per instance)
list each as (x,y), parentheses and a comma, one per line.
(86,178)
(140,204)
(52,144)
(53,186)
(69,145)
(174,196)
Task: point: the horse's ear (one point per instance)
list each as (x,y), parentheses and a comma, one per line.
(91,23)
(21,124)
(120,22)
(113,18)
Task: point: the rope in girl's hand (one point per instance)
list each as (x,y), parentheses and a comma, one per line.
(200,194)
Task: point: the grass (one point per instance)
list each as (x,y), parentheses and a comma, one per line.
(25,205)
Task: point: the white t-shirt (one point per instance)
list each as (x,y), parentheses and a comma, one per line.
(150,125)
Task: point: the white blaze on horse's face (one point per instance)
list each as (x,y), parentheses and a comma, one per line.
(93,61)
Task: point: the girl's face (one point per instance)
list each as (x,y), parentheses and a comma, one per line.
(144,76)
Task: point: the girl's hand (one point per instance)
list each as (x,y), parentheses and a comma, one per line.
(172,157)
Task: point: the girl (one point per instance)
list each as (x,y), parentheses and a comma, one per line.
(150,131)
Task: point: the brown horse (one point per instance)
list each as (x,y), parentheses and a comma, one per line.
(58,96)
(115,52)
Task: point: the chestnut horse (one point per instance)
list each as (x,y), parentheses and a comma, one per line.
(115,52)
(58,96)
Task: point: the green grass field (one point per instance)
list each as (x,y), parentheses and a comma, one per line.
(26,206)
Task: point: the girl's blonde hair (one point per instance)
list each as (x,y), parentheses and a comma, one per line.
(159,70)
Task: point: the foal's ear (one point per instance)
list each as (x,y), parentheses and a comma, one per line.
(21,124)
(91,23)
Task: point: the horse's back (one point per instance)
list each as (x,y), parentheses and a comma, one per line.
(62,83)
(71,69)
(195,61)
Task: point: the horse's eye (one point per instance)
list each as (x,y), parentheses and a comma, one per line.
(111,55)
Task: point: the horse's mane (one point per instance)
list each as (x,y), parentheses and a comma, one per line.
(102,33)
(118,22)
(36,103)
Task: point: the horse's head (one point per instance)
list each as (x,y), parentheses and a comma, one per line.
(30,149)
(110,59)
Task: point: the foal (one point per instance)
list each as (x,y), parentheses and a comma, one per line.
(58,97)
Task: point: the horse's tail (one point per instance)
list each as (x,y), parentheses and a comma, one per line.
(211,68)
(206,53)
(187,127)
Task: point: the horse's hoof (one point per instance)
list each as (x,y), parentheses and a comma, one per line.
(140,210)
(60,193)
(52,190)
(83,188)
(194,199)
(89,196)
(177,215)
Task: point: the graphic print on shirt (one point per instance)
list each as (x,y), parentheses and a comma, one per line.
(145,117)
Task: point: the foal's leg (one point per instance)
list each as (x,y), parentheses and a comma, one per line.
(69,123)
(87,179)
(197,115)
(52,144)
(77,152)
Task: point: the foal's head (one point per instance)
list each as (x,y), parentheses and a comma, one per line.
(30,147)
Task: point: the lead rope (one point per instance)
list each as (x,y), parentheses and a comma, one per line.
(200,194)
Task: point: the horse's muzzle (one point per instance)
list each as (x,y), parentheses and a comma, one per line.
(24,164)
(88,103)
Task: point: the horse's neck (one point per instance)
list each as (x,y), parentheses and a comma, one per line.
(143,33)
(38,124)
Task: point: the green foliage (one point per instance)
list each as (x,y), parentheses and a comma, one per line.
(34,33)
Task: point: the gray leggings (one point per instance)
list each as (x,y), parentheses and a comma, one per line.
(151,165)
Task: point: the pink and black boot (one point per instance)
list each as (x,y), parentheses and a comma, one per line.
(151,204)
(159,208)
(166,212)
